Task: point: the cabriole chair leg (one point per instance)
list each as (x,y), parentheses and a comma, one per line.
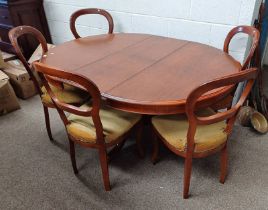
(187,176)
(104,168)
(48,123)
(72,155)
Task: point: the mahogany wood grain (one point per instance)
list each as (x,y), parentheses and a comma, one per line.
(144,73)
(125,64)
(174,77)
(79,53)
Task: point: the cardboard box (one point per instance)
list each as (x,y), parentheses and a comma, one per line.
(38,53)
(8,56)
(20,79)
(17,64)
(8,99)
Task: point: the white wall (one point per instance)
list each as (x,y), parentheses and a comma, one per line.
(205,21)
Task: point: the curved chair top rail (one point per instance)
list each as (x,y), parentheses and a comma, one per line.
(88,11)
(251,31)
(14,34)
(248,75)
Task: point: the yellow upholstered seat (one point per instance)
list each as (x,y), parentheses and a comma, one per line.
(115,123)
(68,94)
(174,128)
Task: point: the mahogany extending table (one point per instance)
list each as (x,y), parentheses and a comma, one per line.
(144,73)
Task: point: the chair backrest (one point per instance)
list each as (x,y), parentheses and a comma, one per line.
(248,76)
(252,32)
(79,81)
(88,11)
(14,34)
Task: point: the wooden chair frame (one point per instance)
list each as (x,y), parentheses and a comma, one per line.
(88,11)
(254,33)
(14,34)
(78,80)
(251,31)
(248,75)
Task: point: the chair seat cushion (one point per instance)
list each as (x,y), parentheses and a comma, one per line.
(174,128)
(67,94)
(115,123)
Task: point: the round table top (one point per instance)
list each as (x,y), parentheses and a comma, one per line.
(144,73)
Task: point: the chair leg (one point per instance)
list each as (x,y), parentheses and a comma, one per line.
(48,123)
(224,163)
(187,176)
(155,155)
(72,155)
(104,168)
(140,147)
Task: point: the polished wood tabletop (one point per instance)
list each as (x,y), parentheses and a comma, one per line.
(144,73)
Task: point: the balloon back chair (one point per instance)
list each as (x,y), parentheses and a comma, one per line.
(67,93)
(255,36)
(201,133)
(92,125)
